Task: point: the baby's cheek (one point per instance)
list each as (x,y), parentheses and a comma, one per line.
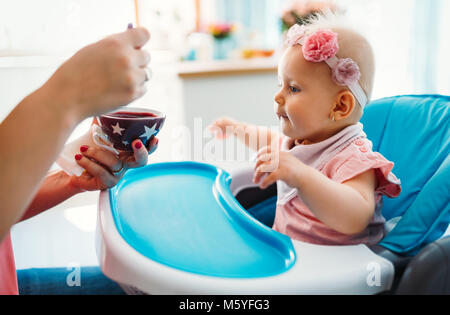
(287,128)
(294,120)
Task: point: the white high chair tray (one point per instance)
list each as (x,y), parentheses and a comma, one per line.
(148,245)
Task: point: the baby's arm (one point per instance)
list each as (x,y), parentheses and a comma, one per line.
(254,137)
(347,207)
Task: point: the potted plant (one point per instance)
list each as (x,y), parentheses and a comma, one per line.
(221,33)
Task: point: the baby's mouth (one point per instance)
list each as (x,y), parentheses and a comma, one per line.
(281,115)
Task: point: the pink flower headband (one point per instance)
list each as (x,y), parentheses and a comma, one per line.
(323,46)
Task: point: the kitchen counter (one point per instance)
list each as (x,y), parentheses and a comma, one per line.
(193,69)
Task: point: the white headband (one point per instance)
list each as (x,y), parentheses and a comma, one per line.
(356,89)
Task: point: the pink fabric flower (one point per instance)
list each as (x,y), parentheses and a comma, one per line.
(321,46)
(346,72)
(295,34)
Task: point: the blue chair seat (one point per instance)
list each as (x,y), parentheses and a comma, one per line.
(413,132)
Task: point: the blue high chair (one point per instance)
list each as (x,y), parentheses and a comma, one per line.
(191,228)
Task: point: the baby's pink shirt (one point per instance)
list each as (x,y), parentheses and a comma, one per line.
(8,278)
(293,218)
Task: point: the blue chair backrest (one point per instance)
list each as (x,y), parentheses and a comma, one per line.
(414,132)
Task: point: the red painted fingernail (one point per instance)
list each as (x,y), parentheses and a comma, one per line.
(138,145)
(78,157)
(84,148)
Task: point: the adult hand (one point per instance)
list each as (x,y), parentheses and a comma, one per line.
(97,79)
(104,75)
(104,169)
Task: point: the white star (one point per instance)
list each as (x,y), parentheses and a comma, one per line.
(125,142)
(117,129)
(148,132)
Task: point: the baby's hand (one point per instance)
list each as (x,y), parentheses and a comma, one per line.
(103,169)
(272,165)
(222,128)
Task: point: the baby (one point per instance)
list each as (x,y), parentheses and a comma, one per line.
(330,183)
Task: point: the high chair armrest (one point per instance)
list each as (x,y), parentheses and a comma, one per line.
(252,196)
(398,261)
(241,179)
(246,192)
(429,271)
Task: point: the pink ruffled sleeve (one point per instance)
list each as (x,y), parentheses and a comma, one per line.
(354,162)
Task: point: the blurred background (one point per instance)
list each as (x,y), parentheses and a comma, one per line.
(210,58)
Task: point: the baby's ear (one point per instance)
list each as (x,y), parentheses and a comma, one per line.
(344,105)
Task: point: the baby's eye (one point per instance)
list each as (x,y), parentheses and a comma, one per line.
(293,89)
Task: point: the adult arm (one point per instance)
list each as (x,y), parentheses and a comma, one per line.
(55,188)
(58,186)
(99,78)
(31,137)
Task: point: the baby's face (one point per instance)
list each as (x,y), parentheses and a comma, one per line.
(305,99)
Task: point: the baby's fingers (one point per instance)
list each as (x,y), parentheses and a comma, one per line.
(265,150)
(222,128)
(217,131)
(263,159)
(268,163)
(268,180)
(257,177)
(259,174)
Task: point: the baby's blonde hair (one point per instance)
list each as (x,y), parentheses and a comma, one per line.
(352,44)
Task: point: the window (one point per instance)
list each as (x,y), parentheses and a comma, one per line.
(53,27)
(408,36)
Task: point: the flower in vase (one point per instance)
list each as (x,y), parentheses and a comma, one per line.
(221,30)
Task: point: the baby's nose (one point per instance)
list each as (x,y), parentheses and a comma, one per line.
(277,106)
(278,98)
